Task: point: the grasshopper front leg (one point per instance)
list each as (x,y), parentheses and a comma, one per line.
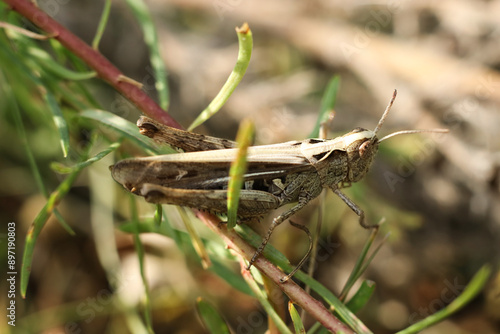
(354,207)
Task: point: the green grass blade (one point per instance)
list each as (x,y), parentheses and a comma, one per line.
(14,107)
(270,252)
(126,128)
(38,224)
(45,213)
(42,62)
(59,121)
(102,24)
(232,278)
(16,115)
(64,223)
(362,296)
(262,298)
(195,238)
(146,226)
(471,290)
(158,215)
(45,61)
(238,169)
(24,32)
(66,170)
(360,264)
(213,321)
(139,248)
(245,42)
(166,228)
(296,320)
(141,12)
(327,104)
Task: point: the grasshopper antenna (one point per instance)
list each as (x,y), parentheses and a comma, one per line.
(386,112)
(403,132)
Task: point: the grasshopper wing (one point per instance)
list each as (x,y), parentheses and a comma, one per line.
(206,169)
(200,179)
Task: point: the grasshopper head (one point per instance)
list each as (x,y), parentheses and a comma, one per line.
(361,146)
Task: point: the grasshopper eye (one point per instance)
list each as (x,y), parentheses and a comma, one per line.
(364,148)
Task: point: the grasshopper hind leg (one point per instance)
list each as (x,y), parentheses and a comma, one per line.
(305,257)
(276,222)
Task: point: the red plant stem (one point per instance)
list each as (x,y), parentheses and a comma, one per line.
(94,59)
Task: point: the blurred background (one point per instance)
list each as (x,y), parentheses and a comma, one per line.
(439,194)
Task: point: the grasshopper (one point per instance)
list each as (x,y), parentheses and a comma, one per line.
(279,174)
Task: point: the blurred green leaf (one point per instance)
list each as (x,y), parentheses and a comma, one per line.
(195,238)
(47,63)
(263,300)
(39,223)
(211,317)
(145,20)
(470,292)
(233,278)
(362,296)
(218,252)
(60,168)
(361,263)
(59,121)
(327,104)
(102,24)
(139,249)
(124,127)
(296,320)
